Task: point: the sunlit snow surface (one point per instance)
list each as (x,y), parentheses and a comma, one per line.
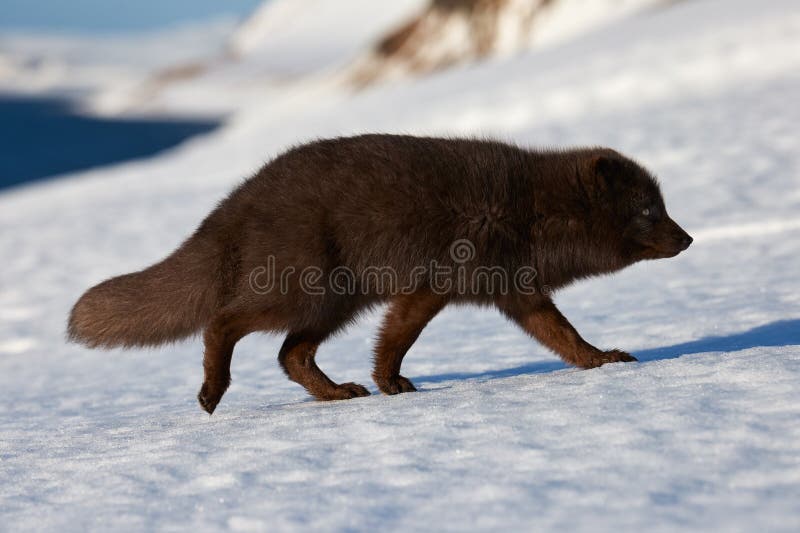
(703,434)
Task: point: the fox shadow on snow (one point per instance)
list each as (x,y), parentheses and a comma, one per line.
(779,333)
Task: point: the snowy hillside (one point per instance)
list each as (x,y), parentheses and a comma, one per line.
(449,32)
(282,42)
(86,64)
(703,434)
(292,45)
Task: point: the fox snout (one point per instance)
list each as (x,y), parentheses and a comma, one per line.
(677,240)
(666,239)
(682,239)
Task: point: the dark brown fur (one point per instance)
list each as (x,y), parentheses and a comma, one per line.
(392,202)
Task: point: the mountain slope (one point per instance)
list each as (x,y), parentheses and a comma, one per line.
(451,32)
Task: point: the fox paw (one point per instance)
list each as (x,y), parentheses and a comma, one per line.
(209,396)
(395,385)
(345,391)
(610,356)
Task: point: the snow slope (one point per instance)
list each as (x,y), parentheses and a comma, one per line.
(34,63)
(289,44)
(447,33)
(703,434)
(283,41)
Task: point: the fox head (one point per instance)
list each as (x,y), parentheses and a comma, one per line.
(599,213)
(642,226)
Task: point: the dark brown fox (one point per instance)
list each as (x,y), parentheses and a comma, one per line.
(333,227)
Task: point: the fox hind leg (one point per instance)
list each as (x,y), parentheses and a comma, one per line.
(220,337)
(405,319)
(297,359)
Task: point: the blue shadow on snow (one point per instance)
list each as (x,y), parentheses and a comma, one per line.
(780,333)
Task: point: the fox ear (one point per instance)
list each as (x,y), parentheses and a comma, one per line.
(609,170)
(605,166)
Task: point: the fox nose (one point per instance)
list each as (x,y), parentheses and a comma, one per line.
(686,241)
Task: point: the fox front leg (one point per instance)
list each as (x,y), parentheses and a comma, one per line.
(542,320)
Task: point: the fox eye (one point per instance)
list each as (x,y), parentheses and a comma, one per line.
(646,212)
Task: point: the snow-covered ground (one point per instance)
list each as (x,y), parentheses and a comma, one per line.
(703,434)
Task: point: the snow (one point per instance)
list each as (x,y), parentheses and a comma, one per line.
(55,64)
(283,41)
(703,434)
(564,19)
(298,27)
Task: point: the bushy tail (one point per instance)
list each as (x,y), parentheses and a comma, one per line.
(165,302)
